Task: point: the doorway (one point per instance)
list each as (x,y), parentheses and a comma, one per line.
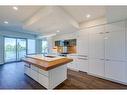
(14,49)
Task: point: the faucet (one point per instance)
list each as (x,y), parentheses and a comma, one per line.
(45,51)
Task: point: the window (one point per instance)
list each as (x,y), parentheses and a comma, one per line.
(44,46)
(14,49)
(31,46)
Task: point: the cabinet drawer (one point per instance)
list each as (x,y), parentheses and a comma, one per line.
(43,72)
(43,80)
(34,68)
(27,70)
(34,75)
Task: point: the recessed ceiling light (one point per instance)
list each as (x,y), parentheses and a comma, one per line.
(15,8)
(58,31)
(6,22)
(88,16)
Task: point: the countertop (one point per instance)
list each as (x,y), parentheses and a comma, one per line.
(46,63)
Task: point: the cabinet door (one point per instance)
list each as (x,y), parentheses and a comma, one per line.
(96,66)
(115,51)
(96,43)
(115,45)
(27,70)
(82,64)
(73,64)
(115,70)
(34,75)
(82,43)
(117,26)
(96,51)
(43,80)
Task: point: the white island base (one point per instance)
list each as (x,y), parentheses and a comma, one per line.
(49,79)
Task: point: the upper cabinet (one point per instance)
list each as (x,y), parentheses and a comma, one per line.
(113,27)
(82,42)
(96,42)
(115,41)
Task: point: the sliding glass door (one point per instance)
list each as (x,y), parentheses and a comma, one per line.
(21,48)
(10,49)
(14,49)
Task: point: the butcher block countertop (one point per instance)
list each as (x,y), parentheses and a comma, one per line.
(46,63)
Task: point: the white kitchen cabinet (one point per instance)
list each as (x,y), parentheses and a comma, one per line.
(117,26)
(27,69)
(49,79)
(115,54)
(115,70)
(82,63)
(96,67)
(115,45)
(43,80)
(96,42)
(96,51)
(82,50)
(34,75)
(74,64)
(82,42)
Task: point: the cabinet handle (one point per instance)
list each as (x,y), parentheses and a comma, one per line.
(83,55)
(101,59)
(83,58)
(107,59)
(106,32)
(27,66)
(101,33)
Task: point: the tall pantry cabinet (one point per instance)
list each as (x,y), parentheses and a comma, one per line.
(96,50)
(107,51)
(115,51)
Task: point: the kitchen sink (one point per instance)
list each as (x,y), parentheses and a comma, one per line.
(50,56)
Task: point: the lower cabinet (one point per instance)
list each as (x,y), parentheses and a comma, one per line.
(74,64)
(115,70)
(96,66)
(34,75)
(82,64)
(27,69)
(43,80)
(49,79)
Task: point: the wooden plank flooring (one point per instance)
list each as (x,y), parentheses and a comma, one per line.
(12,77)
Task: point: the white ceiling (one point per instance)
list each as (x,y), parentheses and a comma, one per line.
(48,19)
(16,17)
(80,12)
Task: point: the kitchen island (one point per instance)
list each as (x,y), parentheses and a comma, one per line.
(49,71)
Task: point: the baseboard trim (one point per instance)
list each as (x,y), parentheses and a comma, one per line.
(73,69)
(116,81)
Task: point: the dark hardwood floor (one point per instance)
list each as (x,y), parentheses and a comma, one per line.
(12,77)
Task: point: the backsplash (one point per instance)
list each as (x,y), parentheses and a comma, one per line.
(66,46)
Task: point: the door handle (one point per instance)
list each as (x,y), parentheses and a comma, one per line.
(83,58)
(107,59)
(82,55)
(101,33)
(106,32)
(27,66)
(102,59)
